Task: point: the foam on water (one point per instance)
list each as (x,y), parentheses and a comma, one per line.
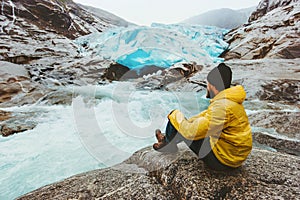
(104,126)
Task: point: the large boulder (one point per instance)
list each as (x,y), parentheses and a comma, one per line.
(152,175)
(272,32)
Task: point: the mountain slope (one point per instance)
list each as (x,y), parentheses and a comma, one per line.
(61,17)
(224,18)
(106,16)
(272,32)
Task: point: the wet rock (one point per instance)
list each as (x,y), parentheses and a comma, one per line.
(58,97)
(17,122)
(149,70)
(119,72)
(271,33)
(281,145)
(285,123)
(152,175)
(10,130)
(175,78)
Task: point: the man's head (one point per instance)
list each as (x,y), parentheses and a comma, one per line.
(218,79)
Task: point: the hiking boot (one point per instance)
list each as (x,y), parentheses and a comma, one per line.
(159,136)
(165,147)
(162,145)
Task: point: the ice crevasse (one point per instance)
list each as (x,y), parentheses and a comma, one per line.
(160,45)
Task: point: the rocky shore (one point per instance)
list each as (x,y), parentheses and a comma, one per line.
(153,175)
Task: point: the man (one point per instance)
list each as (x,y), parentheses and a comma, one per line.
(221,135)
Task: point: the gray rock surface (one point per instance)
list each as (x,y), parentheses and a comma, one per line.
(274,143)
(153,175)
(283,122)
(265,78)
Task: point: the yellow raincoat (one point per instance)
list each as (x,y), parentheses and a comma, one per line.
(225,122)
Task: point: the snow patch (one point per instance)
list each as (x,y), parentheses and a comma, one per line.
(13,6)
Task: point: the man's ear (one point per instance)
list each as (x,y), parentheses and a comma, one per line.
(210,86)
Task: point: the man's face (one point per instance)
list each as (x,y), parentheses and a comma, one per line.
(209,92)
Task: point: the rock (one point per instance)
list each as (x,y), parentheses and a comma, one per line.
(266,6)
(287,91)
(4,115)
(61,17)
(265,79)
(17,122)
(16,87)
(283,122)
(281,145)
(148,70)
(152,175)
(21,59)
(116,72)
(174,78)
(7,131)
(272,32)
(119,72)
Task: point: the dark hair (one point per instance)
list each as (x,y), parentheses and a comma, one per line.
(220,77)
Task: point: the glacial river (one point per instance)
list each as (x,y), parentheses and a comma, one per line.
(102,127)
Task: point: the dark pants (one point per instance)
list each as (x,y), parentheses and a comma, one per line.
(200,147)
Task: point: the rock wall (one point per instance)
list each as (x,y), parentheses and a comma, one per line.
(272,32)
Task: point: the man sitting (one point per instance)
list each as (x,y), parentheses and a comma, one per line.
(221,135)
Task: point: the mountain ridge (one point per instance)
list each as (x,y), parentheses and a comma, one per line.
(222,17)
(112,18)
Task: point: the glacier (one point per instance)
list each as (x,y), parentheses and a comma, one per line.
(160,45)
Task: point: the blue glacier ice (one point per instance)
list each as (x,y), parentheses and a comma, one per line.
(160,45)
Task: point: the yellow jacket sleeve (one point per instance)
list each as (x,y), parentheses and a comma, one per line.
(192,129)
(208,123)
